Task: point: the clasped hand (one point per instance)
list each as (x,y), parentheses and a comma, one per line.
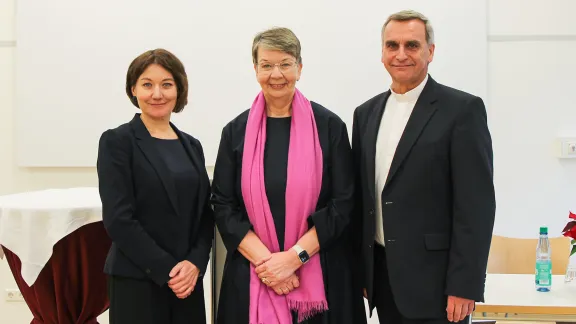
(277,272)
(184,277)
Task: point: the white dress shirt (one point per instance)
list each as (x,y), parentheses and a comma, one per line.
(396,114)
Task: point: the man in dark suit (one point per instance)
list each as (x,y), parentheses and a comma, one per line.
(426,202)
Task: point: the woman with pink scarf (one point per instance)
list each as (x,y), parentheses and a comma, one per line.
(283,198)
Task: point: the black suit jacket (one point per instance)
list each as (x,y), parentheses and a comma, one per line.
(438,201)
(139,206)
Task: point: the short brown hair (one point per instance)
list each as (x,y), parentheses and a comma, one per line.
(405,15)
(277,38)
(168,61)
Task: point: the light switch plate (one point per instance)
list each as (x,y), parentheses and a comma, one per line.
(566,147)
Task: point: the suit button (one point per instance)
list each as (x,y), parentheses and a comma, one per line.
(148,271)
(371,212)
(370,246)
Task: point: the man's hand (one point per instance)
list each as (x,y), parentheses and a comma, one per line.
(365,293)
(278,268)
(184,276)
(284,288)
(458,308)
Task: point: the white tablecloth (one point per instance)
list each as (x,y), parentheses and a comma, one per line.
(519,290)
(32,222)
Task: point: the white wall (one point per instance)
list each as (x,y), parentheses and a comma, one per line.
(12,178)
(530,101)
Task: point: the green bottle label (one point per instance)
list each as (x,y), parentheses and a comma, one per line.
(543,273)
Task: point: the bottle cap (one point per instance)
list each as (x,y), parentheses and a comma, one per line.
(543,230)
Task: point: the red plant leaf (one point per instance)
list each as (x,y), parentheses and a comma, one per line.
(571,233)
(569,226)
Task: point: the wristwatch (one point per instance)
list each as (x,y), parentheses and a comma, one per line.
(302,254)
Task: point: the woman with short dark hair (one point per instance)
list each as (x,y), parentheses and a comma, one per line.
(155,196)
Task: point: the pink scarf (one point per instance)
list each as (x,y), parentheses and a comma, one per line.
(304,180)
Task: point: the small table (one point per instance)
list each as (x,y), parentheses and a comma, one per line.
(516,293)
(55,244)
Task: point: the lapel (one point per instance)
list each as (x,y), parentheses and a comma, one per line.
(195,157)
(372,128)
(423,111)
(147,146)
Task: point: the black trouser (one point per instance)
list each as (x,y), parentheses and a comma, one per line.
(388,312)
(144,302)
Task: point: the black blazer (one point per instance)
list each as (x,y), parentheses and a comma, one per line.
(438,201)
(139,205)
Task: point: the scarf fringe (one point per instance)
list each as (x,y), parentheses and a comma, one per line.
(307,309)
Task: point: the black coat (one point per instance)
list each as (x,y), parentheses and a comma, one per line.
(140,212)
(331,219)
(438,201)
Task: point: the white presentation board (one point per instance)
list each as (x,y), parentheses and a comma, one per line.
(72,57)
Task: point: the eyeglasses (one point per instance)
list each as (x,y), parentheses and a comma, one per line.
(266,67)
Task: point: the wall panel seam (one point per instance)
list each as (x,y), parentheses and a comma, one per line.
(532,38)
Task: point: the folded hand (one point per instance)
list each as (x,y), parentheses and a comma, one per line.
(184,277)
(279,267)
(285,287)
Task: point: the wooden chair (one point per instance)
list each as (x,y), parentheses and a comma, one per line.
(518,255)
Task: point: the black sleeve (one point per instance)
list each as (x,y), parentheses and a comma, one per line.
(230,220)
(118,205)
(471,160)
(199,254)
(333,219)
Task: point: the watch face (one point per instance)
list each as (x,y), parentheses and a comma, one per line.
(304,257)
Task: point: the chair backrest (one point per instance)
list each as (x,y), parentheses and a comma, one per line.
(518,255)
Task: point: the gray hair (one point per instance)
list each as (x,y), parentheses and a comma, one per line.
(277,38)
(406,15)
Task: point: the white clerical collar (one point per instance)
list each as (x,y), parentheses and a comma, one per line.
(411,95)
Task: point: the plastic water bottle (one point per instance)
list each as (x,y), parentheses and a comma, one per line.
(543,262)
